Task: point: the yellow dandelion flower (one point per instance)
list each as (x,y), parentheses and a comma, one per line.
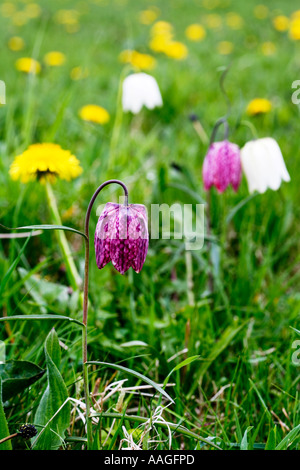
(28,65)
(149,16)
(294,31)
(159,42)
(176,50)
(7,9)
(258,106)
(225,47)
(54,58)
(43,162)
(261,12)
(281,23)
(210,4)
(67,17)
(195,32)
(19,18)
(161,27)
(77,73)
(16,43)
(234,20)
(268,48)
(33,10)
(94,113)
(213,21)
(137,60)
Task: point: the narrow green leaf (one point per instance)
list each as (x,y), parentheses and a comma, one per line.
(271,442)
(46,227)
(261,399)
(16,376)
(4,432)
(244,441)
(41,317)
(135,374)
(236,208)
(222,343)
(12,268)
(288,439)
(53,413)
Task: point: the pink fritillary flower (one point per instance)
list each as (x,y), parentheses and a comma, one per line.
(222,166)
(122,237)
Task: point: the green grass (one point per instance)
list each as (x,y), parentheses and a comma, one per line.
(243,389)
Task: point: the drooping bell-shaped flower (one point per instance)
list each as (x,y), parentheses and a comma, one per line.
(122,236)
(222,166)
(140,89)
(263,165)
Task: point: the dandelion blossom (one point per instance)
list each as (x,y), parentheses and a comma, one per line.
(195,32)
(54,58)
(94,113)
(46,161)
(16,43)
(28,65)
(259,106)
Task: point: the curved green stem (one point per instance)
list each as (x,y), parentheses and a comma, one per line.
(85,303)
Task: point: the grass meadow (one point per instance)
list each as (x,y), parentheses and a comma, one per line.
(198,351)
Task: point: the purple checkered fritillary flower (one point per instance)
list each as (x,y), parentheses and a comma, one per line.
(122,236)
(222,166)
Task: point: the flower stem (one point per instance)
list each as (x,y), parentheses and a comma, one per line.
(85,304)
(72,273)
(12,436)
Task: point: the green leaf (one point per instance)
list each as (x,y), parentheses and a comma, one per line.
(222,343)
(12,268)
(41,317)
(16,376)
(244,441)
(271,442)
(4,432)
(288,439)
(184,363)
(53,413)
(46,227)
(135,374)
(236,208)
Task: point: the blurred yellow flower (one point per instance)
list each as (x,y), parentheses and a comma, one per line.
(294,31)
(77,73)
(28,65)
(195,32)
(149,16)
(19,18)
(281,23)
(176,50)
(268,48)
(16,43)
(32,10)
(210,4)
(137,60)
(213,21)
(67,17)
(161,27)
(234,20)
(94,113)
(259,106)
(159,41)
(261,12)
(7,9)
(45,161)
(225,47)
(54,58)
